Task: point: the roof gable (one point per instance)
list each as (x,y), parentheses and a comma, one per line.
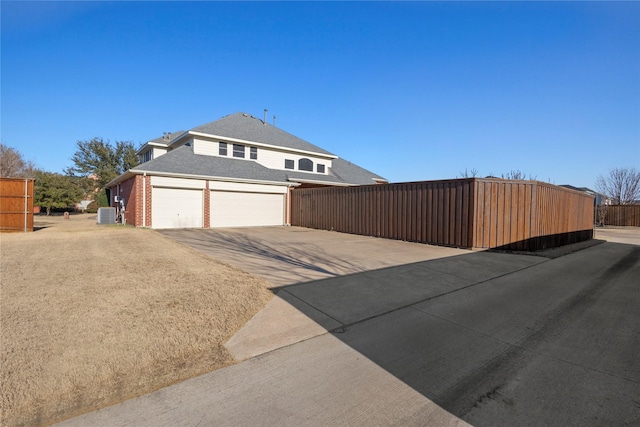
(248,128)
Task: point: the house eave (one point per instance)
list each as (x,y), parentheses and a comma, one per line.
(317,182)
(160,144)
(151,144)
(131,173)
(122,177)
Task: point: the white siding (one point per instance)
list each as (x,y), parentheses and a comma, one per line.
(162,181)
(207,148)
(157,152)
(248,188)
(274,159)
(271,158)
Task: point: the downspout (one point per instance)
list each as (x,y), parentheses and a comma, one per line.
(288,206)
(144,199)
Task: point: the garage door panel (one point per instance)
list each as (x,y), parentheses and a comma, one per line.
(176,208)
(241,209)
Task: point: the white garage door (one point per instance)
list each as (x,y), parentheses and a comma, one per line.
(238,209)
(176,208)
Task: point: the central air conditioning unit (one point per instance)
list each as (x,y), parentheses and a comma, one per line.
(106,215)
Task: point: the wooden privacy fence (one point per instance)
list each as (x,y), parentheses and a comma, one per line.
(16,204)
(622,215)
(466,213)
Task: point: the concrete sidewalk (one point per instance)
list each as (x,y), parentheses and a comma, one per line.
(626,235)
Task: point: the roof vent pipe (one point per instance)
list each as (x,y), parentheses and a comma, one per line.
(265,117)
(274,121)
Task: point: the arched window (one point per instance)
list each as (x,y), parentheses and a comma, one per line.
(305,165)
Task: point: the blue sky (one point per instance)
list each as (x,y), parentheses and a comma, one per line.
(409,90)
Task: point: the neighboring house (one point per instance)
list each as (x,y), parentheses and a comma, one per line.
(600,199)
(82,205)
(236,171)
(91,196)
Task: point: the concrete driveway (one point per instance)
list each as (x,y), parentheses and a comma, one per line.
(482,338)
(288,255)
(627,235)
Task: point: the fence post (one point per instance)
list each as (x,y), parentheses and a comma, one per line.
(26,196)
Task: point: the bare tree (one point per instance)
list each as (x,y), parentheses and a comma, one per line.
(512,174)
(517,175)
(12,165)
(469,174)
(622,185)
(601,214)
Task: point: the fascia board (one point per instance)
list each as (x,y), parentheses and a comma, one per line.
(330,183)
(128,174)
(261,144)
(151,144)
(212,178)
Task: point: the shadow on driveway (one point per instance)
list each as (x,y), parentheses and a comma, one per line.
(552,342)
(288,255)
(494,338)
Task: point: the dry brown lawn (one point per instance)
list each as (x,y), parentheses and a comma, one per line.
(91,315)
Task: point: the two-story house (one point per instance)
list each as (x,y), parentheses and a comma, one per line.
(233,172)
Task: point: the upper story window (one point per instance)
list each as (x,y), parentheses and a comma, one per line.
(146,156)
(238,150)
(222,148)
(289,164)
(305,165)
(253,153)
(319,168)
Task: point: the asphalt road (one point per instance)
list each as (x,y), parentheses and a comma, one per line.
(555,344)
(510,341)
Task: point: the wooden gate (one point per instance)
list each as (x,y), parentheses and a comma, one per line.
(16,204)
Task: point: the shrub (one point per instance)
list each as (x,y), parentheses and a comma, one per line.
(103,200)
(92,207)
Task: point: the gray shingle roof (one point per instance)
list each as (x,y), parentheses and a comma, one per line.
(246,127)
(183,161)
(172,137)
(352,173)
